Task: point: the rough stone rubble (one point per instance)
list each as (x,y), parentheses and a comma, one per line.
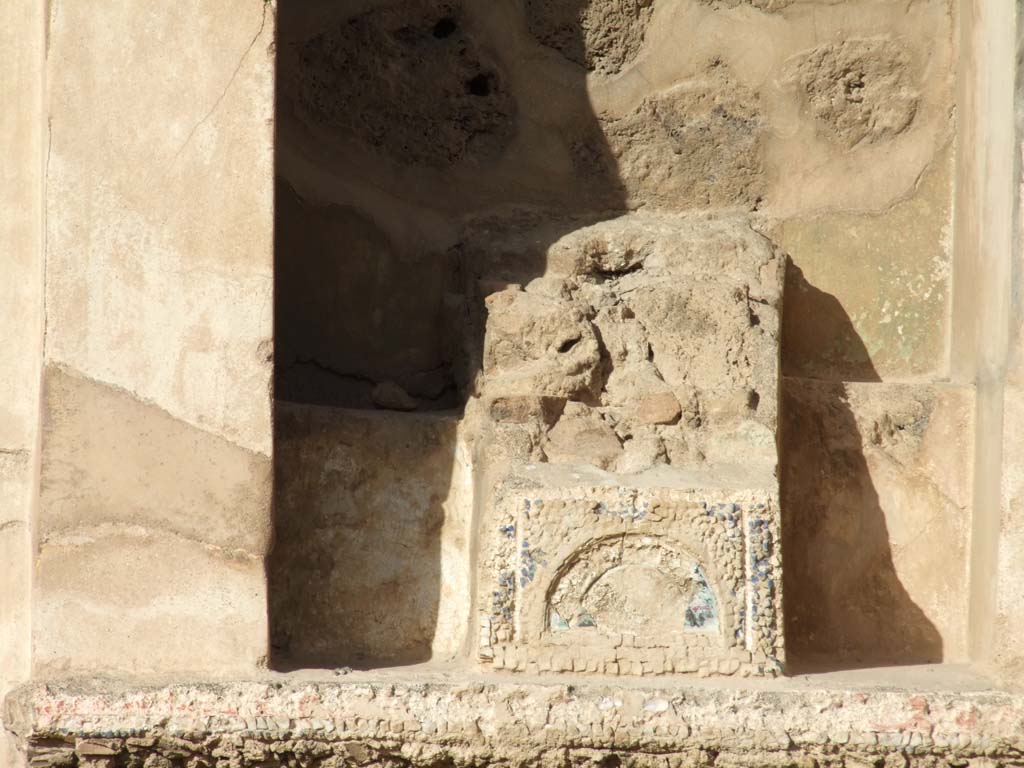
(478,722)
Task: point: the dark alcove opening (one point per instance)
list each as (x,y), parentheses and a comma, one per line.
(398,124)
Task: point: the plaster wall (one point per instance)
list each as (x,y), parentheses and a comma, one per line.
(155,480)
(980,314)
(22,132)
(1008,561)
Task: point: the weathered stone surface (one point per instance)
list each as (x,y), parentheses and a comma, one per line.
(601,35)
(371,558)
(581,436)
(858,90)
(380,719)
(15,581)
(391,397)
(20,216)
(658,408)
(808,171)
(1009,603)
(409,81)
(527,409)
(661,331)
(539,345)
(153,517)
(767,5)
(159,261)
(867,295)
(876,488)
(697,145)
(22,135)
(134,601)
(152,521)
(109,460)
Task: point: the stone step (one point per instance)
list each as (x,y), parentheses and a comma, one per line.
(422,718)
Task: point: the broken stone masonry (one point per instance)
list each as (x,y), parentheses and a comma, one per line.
(630,398)
(549,383)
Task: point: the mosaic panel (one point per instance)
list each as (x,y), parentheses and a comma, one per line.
(626,581)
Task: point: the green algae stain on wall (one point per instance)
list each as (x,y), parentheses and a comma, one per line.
(867,294)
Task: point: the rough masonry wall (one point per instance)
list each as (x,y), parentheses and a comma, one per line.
(156,450)
(376,722)
(828,124)
(374,200)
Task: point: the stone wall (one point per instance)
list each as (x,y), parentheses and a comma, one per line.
(579,315)
(1008,520)
(22,134)
(155,479)
(375,721)
(826,127)
(502,253)
(372,508)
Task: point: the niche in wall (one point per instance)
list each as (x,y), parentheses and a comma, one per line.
(377,106)
(398,122)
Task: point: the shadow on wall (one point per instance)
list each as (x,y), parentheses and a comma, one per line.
(396,123)
(845,606)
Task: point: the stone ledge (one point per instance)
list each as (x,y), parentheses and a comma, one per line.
(436,720)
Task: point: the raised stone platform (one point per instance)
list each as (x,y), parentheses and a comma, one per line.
(642,349)
(925,716)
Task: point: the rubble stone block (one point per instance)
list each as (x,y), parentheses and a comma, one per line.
(409,81)
(603,36)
